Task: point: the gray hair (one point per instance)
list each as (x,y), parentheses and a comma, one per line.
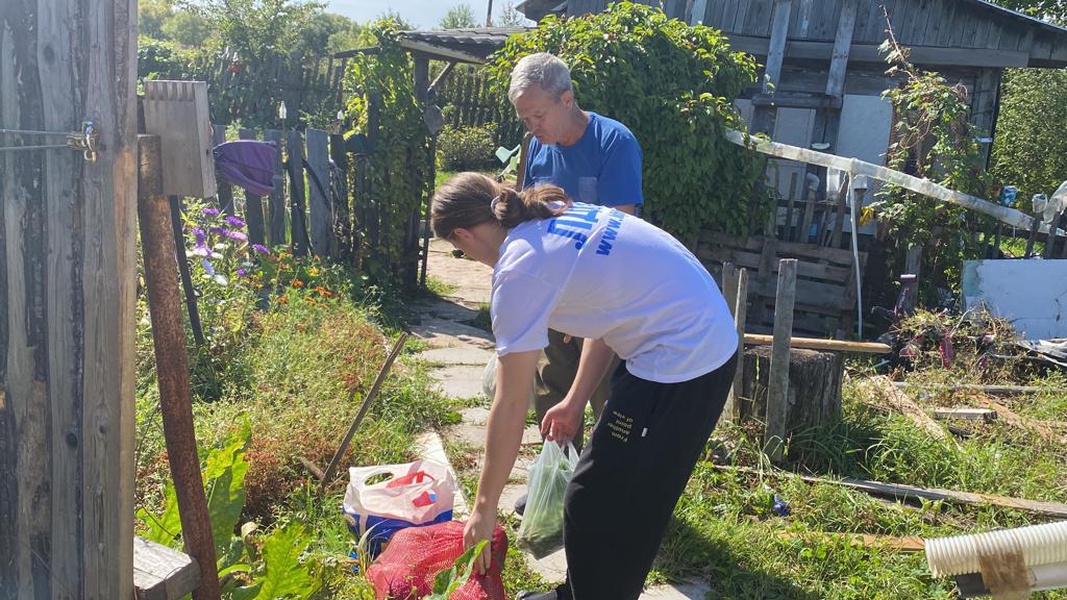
(543,69)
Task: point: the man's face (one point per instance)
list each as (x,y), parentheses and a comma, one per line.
(544,115)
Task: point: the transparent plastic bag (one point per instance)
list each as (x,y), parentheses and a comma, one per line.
(541,532)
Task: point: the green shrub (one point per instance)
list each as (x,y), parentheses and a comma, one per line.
(673,85)
(467,148)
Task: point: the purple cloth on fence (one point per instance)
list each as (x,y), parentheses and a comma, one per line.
(247,163)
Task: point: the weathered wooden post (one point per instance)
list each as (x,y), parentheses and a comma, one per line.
(276,203)
(298,223)
(175,395)
(778,384)
(253,204)
(320,209)
(67,87)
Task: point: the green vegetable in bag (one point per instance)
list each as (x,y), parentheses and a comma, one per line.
(541,532)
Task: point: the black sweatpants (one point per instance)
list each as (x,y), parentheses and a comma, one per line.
(628,480)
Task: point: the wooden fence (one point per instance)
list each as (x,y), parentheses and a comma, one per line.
(322,204)
(826,283)
(307,85)
(467,100)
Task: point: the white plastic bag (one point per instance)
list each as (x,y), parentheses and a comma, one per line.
(415,494)
(541,532)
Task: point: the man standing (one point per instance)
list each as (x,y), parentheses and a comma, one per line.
(596,160)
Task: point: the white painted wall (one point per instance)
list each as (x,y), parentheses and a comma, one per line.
(1032,294)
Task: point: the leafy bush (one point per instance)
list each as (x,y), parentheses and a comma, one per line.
(399,167)
(1030,150)
(673,85)
(932,139)
(466,148)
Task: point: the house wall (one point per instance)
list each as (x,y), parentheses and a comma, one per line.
(951,29)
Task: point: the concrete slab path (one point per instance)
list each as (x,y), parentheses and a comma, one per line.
(458,353)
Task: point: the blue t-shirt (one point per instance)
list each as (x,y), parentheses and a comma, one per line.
(603,167)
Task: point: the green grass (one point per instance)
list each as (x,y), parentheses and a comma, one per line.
(294,375)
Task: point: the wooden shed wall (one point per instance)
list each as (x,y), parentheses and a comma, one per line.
(952,24)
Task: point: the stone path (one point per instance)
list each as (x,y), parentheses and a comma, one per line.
(459,354)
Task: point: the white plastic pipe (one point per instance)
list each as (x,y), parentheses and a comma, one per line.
(1048,577)
(1036,545)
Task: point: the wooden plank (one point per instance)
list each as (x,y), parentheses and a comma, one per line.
(995,390)
(740,313)
(829,296)
(965,414)
(320,207)
(801,20)
(739,12)
(866,540)
(161,573)
(778,379)
(754,339)
(177,111)
(881,391)
(776,48)
(729,280)
(297,208)
(855,166)
(898,491)
(253,205)
(67,255)
(276,202)
(223,188)
(835,83)
(926,56)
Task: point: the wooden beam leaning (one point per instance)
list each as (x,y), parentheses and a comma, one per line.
(729,293)
(778,380)
(757,339)
(168,337)
(854,166)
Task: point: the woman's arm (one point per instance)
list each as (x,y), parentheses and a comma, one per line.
(562,421)
(507,418)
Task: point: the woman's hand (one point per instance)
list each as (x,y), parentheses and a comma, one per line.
(562,421)
(480,527)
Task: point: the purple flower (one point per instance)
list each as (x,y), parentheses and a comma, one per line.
(242,272)
(201,237)
(217,230)
(234,221)
(208,267)
(260,248)
(235,235)
(209,211)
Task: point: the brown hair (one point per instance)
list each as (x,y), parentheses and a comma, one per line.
(470,199)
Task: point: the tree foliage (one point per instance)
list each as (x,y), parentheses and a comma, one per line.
(1030,150)
(673,85)
(1049,10)
(510,17)
(459,16)
(934,139)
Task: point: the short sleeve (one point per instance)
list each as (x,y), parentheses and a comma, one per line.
(520,306)
(620,176)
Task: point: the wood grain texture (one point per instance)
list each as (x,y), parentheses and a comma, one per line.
(66,299)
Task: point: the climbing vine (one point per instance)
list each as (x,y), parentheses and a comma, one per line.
(673,85)
(399,159)
(932,138)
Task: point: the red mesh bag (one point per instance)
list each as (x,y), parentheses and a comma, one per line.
(405,570)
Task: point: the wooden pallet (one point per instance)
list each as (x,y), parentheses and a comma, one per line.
(826,281)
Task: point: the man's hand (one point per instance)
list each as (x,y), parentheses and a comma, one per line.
(480,527)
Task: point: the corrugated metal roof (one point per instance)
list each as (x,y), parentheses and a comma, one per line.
(478,41)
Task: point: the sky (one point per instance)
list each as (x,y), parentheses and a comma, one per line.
(420,13)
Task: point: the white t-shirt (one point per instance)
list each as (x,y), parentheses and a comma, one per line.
(595,272)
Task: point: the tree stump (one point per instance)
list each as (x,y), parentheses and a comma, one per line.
(814,397)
